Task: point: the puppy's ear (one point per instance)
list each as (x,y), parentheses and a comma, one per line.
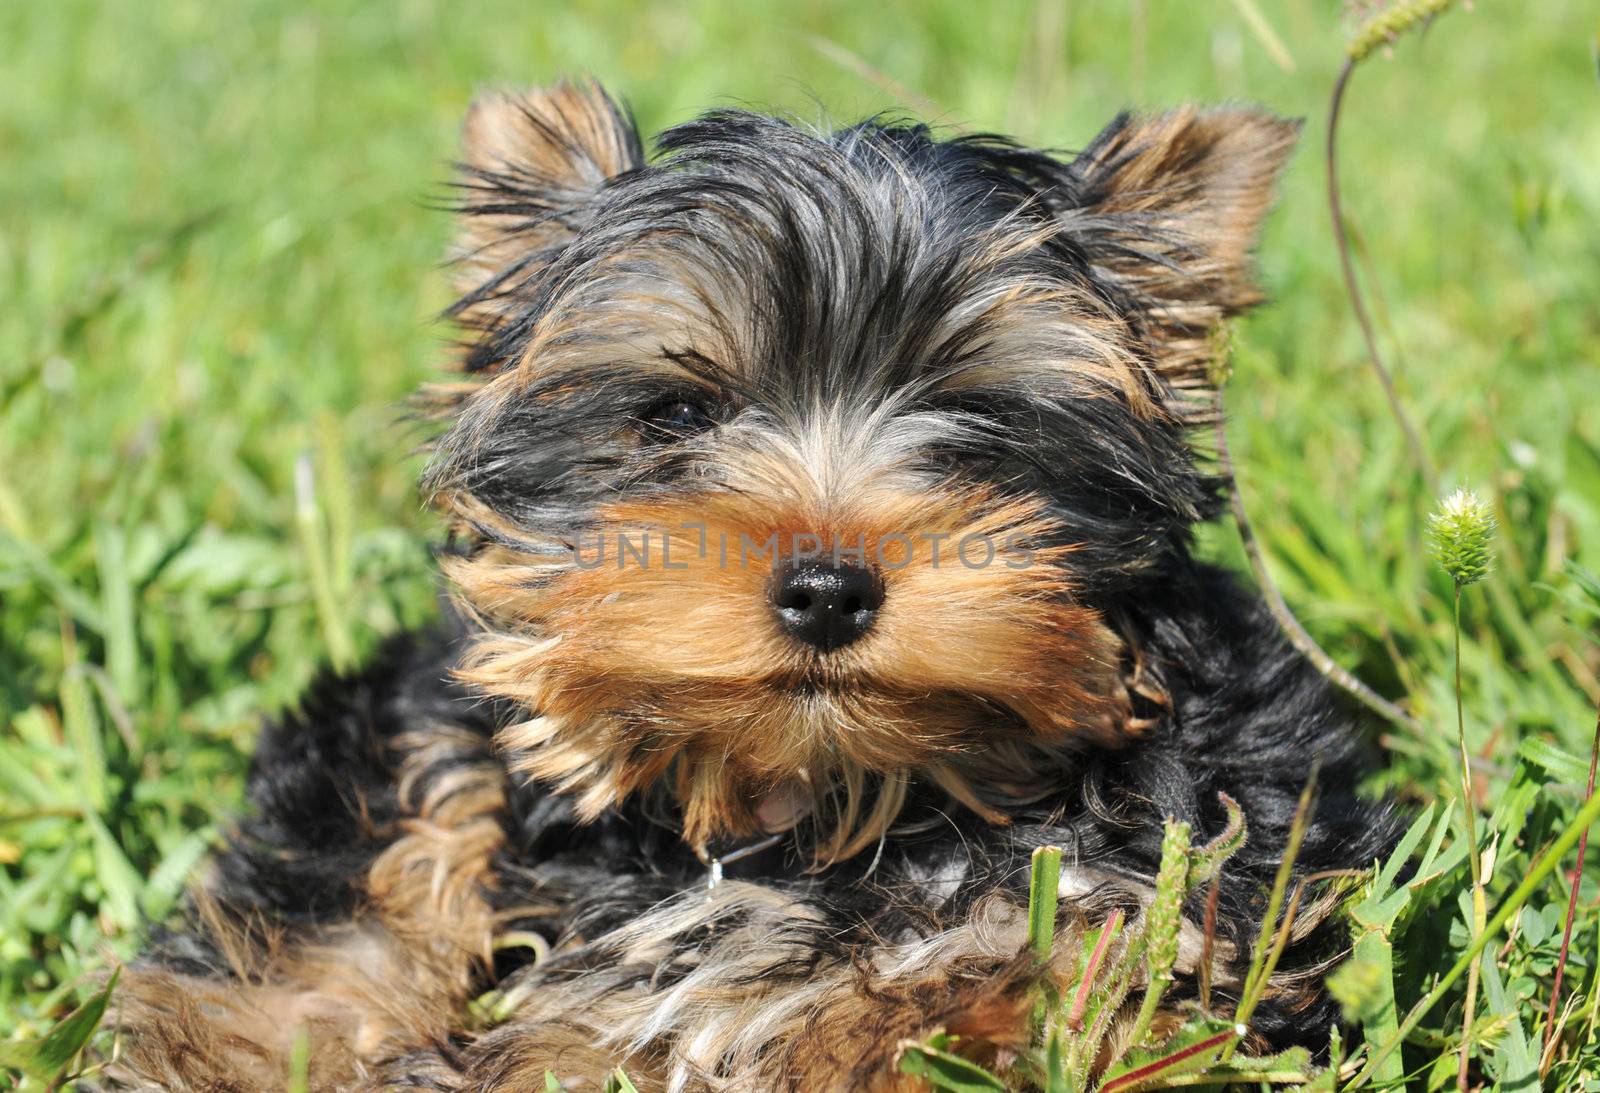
(1175,204)
(533,166)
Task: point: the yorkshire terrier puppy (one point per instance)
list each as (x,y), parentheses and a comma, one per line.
(823,506)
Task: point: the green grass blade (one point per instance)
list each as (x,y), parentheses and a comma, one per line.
(620,1083)
(947,1073)
(308,522)
(116,874)
(49,1058)
(1044,893)
(116,604)
(300,1063)
(1512,1058)
(81,725)
(1364,986)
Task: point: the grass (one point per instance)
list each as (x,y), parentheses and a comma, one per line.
(219,269)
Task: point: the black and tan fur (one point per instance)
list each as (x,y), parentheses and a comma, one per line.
(877,333)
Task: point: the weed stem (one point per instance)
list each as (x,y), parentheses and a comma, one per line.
(1469,808)
(1341,238)
(1297,634)
(1572,911)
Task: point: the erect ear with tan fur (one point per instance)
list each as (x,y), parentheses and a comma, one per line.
(533,164)
(1177,202)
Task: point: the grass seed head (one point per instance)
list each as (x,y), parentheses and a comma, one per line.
(1461,532)
(1166,911)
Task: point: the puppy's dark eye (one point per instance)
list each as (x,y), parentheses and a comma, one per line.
(673,418)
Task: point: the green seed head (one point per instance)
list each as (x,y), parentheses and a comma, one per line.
(1166,910)
(1461,531)
(1391,21)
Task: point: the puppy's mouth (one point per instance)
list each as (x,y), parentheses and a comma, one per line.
(783,807)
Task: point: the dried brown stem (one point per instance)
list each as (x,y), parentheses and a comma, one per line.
(1208,943)
(1572,912)
(1419,451)
(1297,634)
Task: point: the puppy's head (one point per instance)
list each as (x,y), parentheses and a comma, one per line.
(800,466)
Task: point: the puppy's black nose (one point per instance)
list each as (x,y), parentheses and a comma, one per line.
(825,605)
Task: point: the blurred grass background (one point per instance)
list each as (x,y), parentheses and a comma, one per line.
(219,265)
